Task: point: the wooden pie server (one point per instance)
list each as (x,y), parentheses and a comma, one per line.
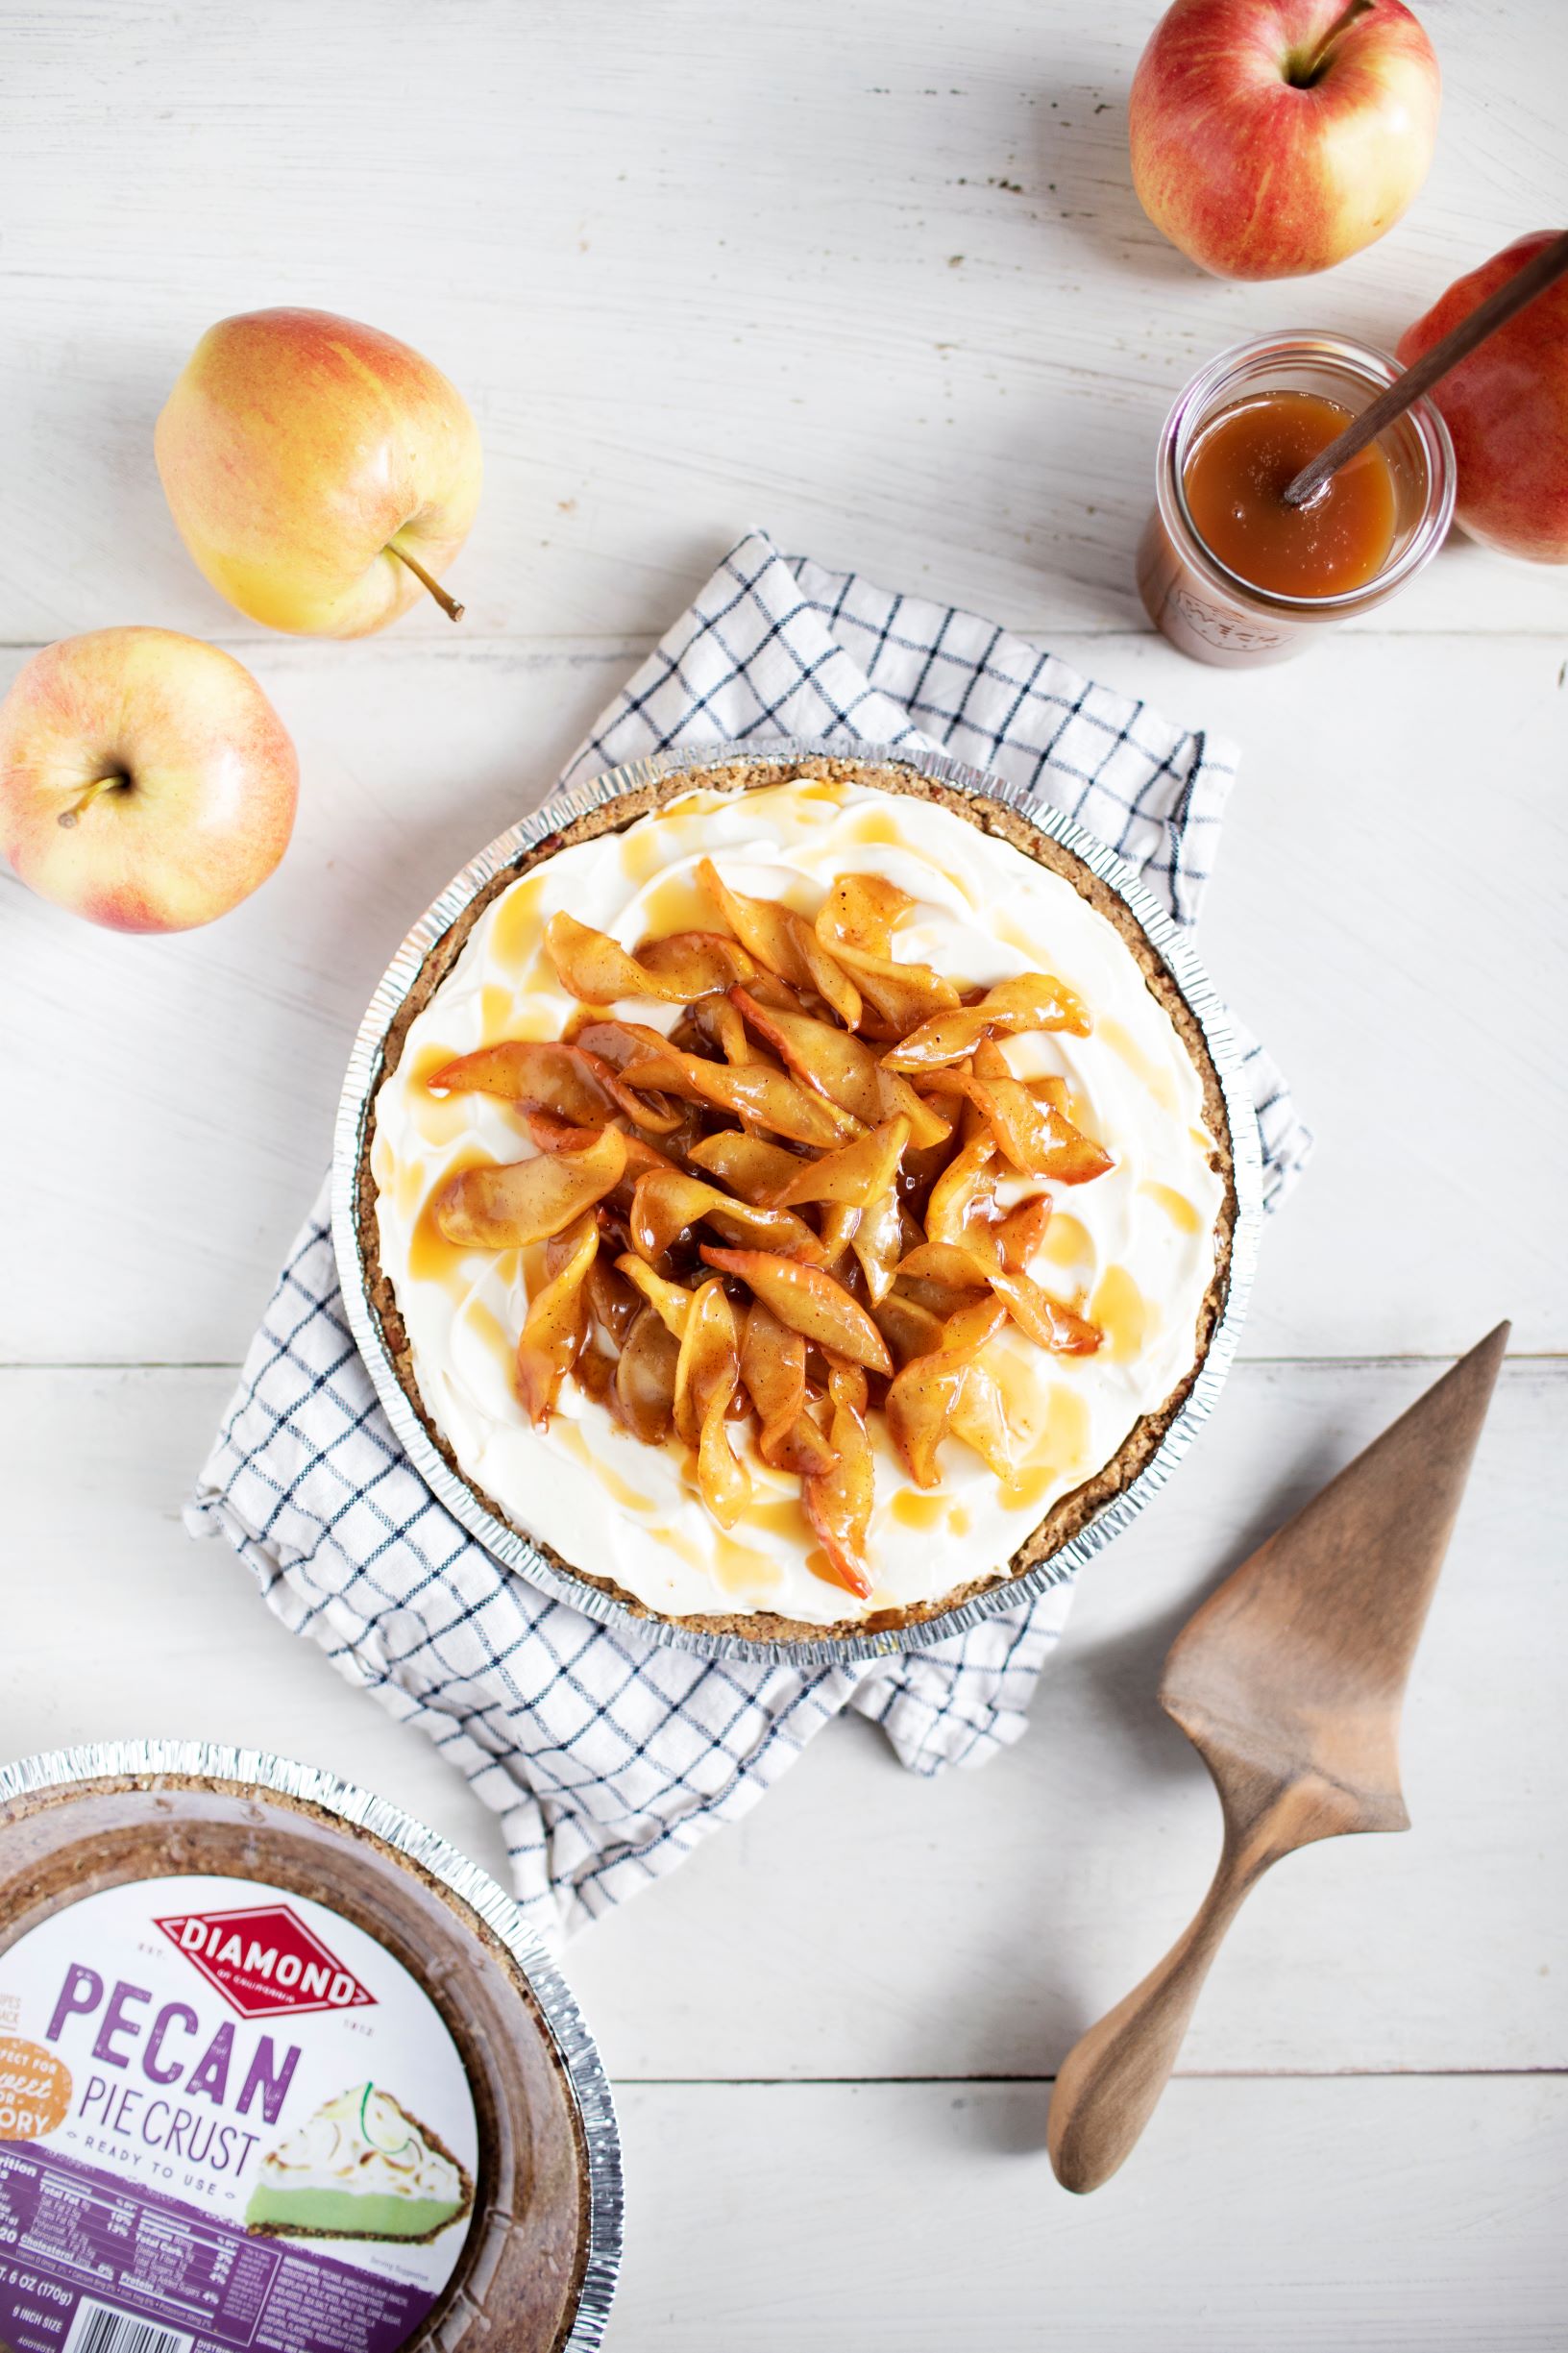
(1288,1682)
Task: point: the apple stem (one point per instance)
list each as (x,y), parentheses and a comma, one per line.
(448,605)
(1317,64)
(104,784)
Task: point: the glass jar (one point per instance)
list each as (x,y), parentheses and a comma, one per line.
(1211,612)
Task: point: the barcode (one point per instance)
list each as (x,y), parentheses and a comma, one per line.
(98,2329)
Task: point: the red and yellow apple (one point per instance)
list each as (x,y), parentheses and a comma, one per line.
(1506,409)
(146,782)
(1272,138)
(321,473)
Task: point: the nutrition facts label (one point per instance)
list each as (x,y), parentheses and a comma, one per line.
(80,2253)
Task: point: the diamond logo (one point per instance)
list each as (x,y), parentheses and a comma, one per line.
(265,1962)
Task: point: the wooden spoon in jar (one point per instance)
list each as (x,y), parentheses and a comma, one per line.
(1510,298)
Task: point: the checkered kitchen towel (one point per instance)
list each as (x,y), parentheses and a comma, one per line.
(606,1756)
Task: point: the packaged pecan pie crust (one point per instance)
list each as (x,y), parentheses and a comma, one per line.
(795,1196)
(279,2070)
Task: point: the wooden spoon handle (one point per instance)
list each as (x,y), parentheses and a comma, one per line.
(1549,265)
(1111,2080)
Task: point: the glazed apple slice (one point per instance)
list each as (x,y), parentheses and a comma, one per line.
(644,1380)
(838,1499)
(715,1023)
(862,911)
(964,1194)
(1049,1322)
(599,970)
(774,1375)
(707,1374)
(909,1329)
(755,1091)
(978,1416)
(1033,1001)
(829,1061)
(855,927)
(526,1201)
(613,1045)
(784,941)
(844,1068)
(747,1166)
(539,1073)
(671,1302)
(878,1244)
(1022,1232)
(668,1202)
(810,1302)
(613,1302)
(922,1396)
(947,1266)
(1039,1140)
(855,1175)
(554,1135)
(696,964)
(556,1324)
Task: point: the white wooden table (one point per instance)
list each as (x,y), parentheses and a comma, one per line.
(872,277)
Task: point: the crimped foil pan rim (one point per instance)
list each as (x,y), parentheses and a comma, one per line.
(507,1544)
(359,1808)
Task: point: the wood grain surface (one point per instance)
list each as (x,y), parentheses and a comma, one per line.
(875,279)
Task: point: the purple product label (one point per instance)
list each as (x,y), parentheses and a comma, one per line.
(226,2121)
(86,2263)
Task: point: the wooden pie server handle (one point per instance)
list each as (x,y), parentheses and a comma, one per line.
(1111,2081)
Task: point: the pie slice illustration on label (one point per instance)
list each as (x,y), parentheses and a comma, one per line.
(360,2167)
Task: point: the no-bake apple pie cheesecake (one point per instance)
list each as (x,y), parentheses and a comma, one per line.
(797,1197)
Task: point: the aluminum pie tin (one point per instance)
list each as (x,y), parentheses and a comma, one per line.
(508,1544)
(75,1817)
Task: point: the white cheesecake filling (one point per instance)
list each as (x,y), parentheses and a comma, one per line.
(362,2141)
(1134,1249)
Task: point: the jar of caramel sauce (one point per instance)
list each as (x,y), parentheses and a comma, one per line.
(1226,570)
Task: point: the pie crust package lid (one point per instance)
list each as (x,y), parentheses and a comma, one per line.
(279,2071)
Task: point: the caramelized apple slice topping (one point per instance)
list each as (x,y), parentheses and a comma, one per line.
(842,1121)
(878,1243)
(525,1201)
(667,1203)
(541,1074)
(862,911)
(838,1499)
(1049,1322)
(855,925)
(554,1135)
(774,1371)
(557,1326)
(671,1302)
(599,970)
(829,1061)
(707,1372)
(909,1329)
(754,1091)
(1039,1140)
(856,1175)
(644,1380)
(1022,1232)
(844,1068)
(784,941)
(753,1169)
(695,964)
(613,1303)
(1033,1001)
(810,1302)
(922,1397)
